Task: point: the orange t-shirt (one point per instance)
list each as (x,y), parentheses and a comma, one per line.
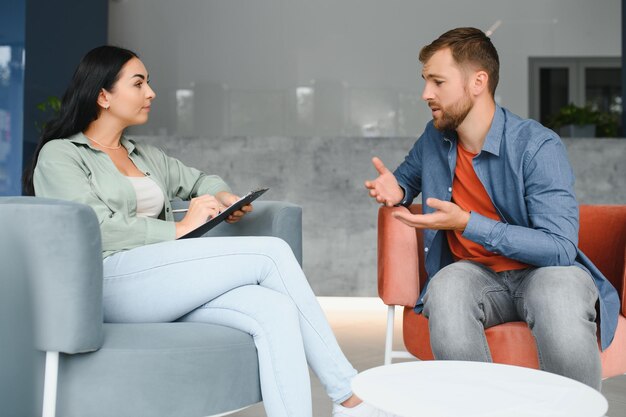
(469,194)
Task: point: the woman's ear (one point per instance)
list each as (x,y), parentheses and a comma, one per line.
(103,99)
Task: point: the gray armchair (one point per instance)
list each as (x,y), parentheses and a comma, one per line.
(151,369)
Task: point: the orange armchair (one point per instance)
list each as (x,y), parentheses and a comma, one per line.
(401,274)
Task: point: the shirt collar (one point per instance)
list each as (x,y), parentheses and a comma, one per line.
(83,140)
(494,136)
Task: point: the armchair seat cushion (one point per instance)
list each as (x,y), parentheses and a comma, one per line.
(511,343)
(161,369)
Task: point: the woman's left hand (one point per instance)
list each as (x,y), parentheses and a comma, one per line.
(227,199)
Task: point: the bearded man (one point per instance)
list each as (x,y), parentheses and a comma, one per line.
(500,220)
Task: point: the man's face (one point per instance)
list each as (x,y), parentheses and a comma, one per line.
(446,91)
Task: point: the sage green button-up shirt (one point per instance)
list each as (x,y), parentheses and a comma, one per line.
(71,169)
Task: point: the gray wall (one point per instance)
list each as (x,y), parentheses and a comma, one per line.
(299,95)
(333,67)
(325,176)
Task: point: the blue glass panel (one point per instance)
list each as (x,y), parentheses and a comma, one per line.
(11,117)
(12,35)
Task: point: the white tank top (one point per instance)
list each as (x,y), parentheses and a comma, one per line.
(150,199)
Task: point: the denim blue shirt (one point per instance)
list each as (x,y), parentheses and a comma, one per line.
(524,169)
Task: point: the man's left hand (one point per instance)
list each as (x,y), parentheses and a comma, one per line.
(447,216)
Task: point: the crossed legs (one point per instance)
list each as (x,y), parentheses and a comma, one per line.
(253,284)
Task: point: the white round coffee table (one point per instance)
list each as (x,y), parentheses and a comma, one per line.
(475,389)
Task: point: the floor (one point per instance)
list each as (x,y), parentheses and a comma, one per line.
(359,324)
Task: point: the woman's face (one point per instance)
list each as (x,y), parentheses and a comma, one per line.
(130,99)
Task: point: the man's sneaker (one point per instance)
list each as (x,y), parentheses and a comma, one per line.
(361,410)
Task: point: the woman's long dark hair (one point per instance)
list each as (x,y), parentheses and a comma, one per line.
(99,69)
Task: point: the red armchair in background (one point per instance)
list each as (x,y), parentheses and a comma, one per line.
(401,275)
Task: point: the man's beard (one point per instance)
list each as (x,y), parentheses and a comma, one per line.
(452,118)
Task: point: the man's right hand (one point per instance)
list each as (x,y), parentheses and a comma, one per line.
(385,188)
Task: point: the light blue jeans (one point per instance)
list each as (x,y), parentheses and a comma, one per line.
(557,303)
(253,284)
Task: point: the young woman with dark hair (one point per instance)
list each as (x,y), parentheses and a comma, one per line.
(98,70)
(253,284)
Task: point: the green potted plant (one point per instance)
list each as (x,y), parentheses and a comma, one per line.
(607,124)
(49,108)
(583,122)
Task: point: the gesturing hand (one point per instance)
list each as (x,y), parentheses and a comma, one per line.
(385,188)
(448,216)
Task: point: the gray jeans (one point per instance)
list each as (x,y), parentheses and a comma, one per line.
(558,303)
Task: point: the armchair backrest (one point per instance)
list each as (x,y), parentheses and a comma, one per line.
(62,259)
(268,218)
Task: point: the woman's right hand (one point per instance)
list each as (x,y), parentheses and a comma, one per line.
(200,210)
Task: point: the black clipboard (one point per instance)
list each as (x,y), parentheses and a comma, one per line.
(210,224)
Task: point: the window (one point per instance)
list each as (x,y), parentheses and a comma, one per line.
(557,82)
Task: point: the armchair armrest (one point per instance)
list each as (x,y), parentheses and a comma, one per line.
(398,260)
(62,260)
(268,218)
(602,238)
(17,355)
